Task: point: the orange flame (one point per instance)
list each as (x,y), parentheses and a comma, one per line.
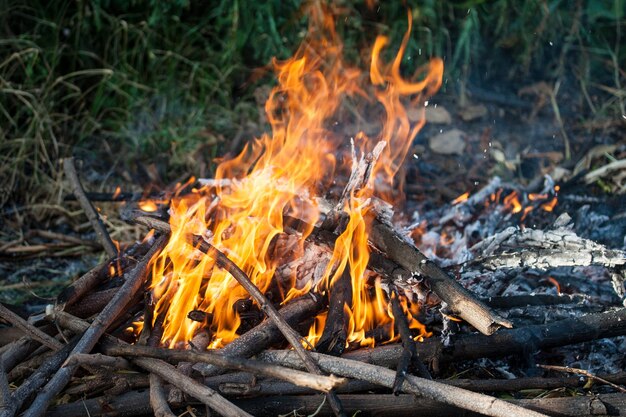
(282,174)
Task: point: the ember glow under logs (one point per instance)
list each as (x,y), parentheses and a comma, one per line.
(284,175)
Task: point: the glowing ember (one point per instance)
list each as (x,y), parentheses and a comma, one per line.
(242,212)
(148,206)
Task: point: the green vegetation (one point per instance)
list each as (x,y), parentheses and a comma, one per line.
(153,81)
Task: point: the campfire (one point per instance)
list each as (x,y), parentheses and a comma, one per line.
(300,268)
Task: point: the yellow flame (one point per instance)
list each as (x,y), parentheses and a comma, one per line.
(283,173)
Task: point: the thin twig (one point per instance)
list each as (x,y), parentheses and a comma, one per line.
(98,359)
(409,353)
(90,211)
(581,372)
(30,330)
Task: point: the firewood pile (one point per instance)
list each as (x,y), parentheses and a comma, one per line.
(82,356)
(277,288)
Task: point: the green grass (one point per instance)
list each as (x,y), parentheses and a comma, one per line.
(152,81)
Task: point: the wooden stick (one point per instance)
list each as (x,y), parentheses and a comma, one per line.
(433,390)
(82,285)
(90,211)
(36,380)
(582,372)
(98,359)
(15,352)
(158,401)
(30,330)
(89,339)
(460,300)
(317,382)
(542,383)
(270,311)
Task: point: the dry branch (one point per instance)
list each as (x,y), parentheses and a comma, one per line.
(30,330)
(89,339)
(158,401)
(90,211)
(162,369)
(433,390)
(409,351)
(5,391)
(36,380)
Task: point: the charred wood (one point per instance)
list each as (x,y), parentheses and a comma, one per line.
(335,334)
(506,342)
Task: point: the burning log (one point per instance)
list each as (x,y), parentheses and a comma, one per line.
(334,336)
(409,351)
(459,300)
(133,282)
(268,308)
(266,333)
